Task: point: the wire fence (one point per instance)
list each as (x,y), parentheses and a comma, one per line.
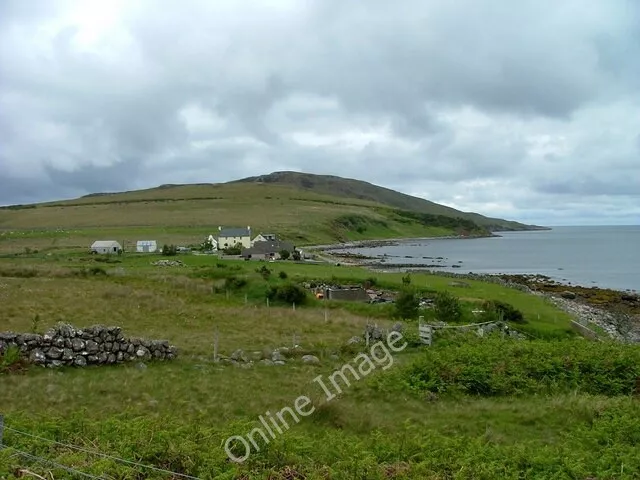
(69,469)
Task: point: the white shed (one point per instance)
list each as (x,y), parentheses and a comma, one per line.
(106,246)
(146,246)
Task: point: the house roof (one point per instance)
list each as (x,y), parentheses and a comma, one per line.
(146,242)
(105,244)
(235,232)
(262,248)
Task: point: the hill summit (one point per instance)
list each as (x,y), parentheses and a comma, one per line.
(358,189)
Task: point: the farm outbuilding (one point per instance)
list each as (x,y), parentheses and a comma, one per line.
(146,246)
(106,247)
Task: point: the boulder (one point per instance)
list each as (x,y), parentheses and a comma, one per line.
(239,356)
(312,359)
(568,295)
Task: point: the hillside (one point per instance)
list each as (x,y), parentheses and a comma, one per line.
(306,209)
(350,188)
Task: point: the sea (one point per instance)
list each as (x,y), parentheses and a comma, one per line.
(602,256)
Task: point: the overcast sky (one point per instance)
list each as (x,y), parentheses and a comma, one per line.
(528,110)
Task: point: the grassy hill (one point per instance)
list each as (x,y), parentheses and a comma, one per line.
(350,188)
(306,209)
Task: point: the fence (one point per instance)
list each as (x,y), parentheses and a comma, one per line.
(74,472)
(426,331)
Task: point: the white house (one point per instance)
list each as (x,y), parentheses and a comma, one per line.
(228,237)
(146,246)
(264,237)
(106,246)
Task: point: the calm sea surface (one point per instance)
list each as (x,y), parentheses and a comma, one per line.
(607,257)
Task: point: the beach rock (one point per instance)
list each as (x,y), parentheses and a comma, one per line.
(568,295)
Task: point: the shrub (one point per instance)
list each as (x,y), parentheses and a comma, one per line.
(264,272)
(505,311)
(283,275)
(406,280)
(296,256)
(169,250)
(234,283)
(235,250)
(288,293)
(97,271)
(407,305)
(447,307)
(285,254)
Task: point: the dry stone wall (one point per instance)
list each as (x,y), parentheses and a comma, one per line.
(97,345)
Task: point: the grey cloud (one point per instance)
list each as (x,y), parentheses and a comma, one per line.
(485,105)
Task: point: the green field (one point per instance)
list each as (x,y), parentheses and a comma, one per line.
(552,406)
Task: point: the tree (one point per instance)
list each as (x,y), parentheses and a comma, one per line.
(296,256)
(235,250)
(447,307)
(207,245)
(407,305)
(169,250)
(284,254)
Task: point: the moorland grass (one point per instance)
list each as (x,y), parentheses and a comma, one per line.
(393,424)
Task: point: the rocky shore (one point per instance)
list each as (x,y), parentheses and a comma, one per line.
(611,312)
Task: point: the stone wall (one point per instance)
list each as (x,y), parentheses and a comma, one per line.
(97,345)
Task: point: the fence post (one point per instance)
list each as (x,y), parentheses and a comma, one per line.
(326,315)
(245,299)
(267,302)
(1,430)
(216,338)
(294,306)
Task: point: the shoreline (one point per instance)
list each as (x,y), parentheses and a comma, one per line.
(616,312)
(385,242)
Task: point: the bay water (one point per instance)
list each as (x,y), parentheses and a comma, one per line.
(606,256)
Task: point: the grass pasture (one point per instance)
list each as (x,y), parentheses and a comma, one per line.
(393,424)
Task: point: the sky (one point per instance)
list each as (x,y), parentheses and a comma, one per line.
(526,110)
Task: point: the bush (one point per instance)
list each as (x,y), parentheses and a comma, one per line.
(285,254)
(234,283)
(235,250)
(407,305)
(288,293)
(504,311)
(447,307)
(97,271)
(264,272)
(169,250)
(283,275)
(296,256)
